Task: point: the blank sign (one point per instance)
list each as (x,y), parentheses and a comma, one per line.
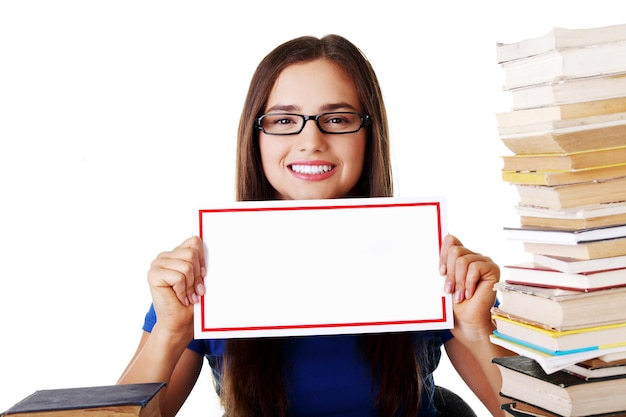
(288,268)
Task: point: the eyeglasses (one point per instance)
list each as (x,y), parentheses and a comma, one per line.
(337,123)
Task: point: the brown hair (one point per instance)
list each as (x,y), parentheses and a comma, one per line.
(252,382)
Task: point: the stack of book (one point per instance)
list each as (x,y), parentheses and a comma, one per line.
(564,312)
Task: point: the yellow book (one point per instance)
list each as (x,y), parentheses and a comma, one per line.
(564,161)
(560,177)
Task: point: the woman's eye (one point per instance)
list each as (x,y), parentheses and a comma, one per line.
(283,121)
(336,120)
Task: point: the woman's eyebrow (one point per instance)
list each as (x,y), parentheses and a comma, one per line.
(337,106)
(290,108)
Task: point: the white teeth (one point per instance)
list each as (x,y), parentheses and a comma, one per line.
(311,169)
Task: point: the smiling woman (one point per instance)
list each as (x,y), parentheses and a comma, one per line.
(344,153)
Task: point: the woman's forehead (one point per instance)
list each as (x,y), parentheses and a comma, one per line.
(318,85)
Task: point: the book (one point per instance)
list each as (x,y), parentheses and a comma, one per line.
(601,362)
(559,392)
(559,38)
(529,273)
(538,127)
(563,177)
(581,217)
(566,136)
(573,195)
(109,400)
(573,266)
(558,308)
(566,224)
(564,236)
(565,63)
(518,408)
(588,250)
(589,370)
(548,361)
(564,161)
(571,90)
(561,341)
(566,111)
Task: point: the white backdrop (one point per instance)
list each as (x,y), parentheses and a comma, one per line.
(118,118)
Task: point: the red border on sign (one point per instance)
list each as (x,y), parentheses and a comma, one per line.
(442,319)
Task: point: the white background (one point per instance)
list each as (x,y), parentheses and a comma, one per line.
(117,118)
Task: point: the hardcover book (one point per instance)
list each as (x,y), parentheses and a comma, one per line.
(572,237)
(139,400)
(559,392)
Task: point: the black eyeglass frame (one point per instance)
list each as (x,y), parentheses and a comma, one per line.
(365,121)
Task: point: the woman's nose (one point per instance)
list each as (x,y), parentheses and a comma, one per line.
(311,138)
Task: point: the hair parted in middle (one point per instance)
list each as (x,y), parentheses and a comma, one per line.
(253,383)
(376,178)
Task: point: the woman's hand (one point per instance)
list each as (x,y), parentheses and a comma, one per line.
(469,277)
(176,283)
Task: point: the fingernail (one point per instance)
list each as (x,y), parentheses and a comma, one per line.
(203,272)
(200,290)
(448,288)
(458,296)
(468,294)
(442,269)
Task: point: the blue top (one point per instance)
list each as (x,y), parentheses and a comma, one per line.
(327,377)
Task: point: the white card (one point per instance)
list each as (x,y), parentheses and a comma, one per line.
(316,267)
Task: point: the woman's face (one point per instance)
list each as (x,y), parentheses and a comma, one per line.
(312,164)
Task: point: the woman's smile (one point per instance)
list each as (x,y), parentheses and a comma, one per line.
(312,170)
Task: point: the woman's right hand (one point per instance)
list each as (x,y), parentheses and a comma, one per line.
(176,283)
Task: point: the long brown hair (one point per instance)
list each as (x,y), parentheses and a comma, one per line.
(252,382)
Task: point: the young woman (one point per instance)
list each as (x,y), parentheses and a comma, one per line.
(314,126)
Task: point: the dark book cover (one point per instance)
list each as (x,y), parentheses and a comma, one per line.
(531,368)
(87,397)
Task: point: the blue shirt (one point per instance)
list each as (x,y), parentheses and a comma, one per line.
(327,376)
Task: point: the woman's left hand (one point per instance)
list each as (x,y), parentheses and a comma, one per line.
(469,277)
